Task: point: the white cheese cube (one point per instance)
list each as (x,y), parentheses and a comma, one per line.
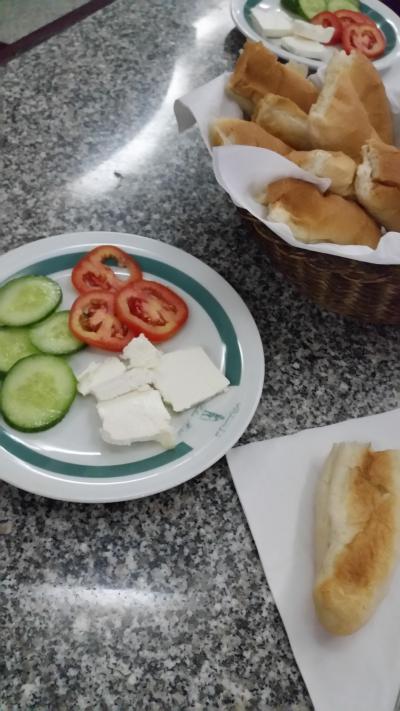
(272,23)
(141,353)
(99,372)
(139,416)
(312,32)
(188,377)
(130,380)
(304,47)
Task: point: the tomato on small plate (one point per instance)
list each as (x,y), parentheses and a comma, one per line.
(367,39)
(152,309)
(93,321)
(329,19)
(352,17)
(92,272)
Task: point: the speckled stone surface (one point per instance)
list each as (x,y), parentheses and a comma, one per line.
(159,604)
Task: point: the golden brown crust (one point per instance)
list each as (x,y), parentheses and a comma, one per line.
(372,94)
(314,217)
(227,131)
(378,183)
(258,72)
(335,165)
(284,119)
(347,597)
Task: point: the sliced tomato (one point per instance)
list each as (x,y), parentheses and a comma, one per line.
(92,320)
(365,39)
(329,19)
(92,272)
(352,17)
(152,309)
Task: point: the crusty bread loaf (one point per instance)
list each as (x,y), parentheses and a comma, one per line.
(258,72)
(284,119)
(231,131)
(338,120)
(378,183)
(370,90)
(314,217)
(357,534)
(341,169)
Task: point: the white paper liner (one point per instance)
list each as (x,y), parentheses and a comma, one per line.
(242,171)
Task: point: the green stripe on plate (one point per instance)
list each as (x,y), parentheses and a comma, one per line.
(233,369)
(385,26)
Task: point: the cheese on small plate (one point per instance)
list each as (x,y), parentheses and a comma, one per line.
(272,23)
(141,353)
(132,379)
(99,372)
(304,47)
(187,377)
(139,416)
(312,32)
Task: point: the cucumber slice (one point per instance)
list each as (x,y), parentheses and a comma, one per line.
(334,5)
(14,345)
(291,6)
(53,335)
(37,392)
(26,300)
(310,8)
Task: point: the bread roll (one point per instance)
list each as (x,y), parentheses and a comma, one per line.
(283,118)
(378,183)
(370,90)
(357,534)
(258,72)
(338,120)
(227,131)
(326,164)
(314,217)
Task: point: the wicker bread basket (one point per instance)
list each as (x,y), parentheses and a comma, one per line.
(366,292)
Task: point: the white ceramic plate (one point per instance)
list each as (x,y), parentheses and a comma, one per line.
(70,461)
(387,20)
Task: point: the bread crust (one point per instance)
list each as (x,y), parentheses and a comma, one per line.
(335,165)
(227,131)
(359,494)
(284,119)
(258,72)
(377,183)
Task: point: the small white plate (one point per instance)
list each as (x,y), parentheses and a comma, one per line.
(70,461)
(387,20)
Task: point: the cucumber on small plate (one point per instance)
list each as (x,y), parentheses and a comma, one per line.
(15,344)
(26,300)
(334,5)
(54,336)
(37,392)
(310,8)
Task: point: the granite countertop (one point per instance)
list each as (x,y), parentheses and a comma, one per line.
(159,604)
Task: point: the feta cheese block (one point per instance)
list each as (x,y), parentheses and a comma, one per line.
(272,23)
(138,416)
(99,372)
(187,377)
(304,47)
(132,379)
(141,353)
(312,32)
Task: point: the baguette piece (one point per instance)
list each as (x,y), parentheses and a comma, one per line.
(378,183)
(338,121)
(370,89)
(357,534)
(314,217)
(258,72)
(228,131)
(284,119)
(341,169)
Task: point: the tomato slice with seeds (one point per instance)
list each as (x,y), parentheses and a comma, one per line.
(366,39)
(92,272)
(92,320)
(152,309)
(329,19)
(352,17)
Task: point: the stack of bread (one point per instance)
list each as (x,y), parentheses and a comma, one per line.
(343,132)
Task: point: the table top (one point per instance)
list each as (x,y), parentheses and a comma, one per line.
(161,603)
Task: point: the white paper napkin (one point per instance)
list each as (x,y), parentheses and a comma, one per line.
(231,166)
(275,481)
